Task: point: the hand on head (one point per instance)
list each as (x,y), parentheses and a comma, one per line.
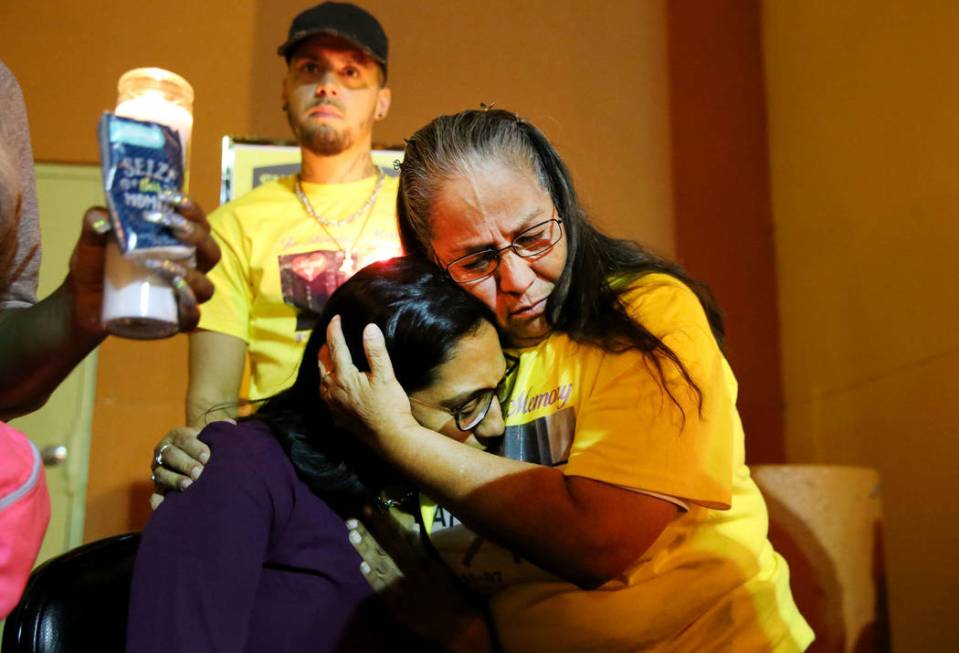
(367,404)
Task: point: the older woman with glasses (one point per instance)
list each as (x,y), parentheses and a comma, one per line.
(619,514)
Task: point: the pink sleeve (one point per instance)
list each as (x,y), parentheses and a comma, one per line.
(24,513)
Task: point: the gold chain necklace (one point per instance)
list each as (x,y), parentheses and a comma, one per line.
(347,266)
(326,222)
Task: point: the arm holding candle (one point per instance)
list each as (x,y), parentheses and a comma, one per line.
(41,344)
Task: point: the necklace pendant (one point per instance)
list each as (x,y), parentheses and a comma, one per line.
(348,267)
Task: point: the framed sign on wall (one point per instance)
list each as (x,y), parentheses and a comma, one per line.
(246,163)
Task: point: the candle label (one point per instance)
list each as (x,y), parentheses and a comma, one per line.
(139,161)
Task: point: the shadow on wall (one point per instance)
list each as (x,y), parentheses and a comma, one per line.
(877,636)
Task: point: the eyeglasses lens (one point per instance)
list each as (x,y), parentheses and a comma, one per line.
(536,240)
(469,420)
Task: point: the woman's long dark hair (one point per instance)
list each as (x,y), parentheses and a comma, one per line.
(423,315)
(586,303)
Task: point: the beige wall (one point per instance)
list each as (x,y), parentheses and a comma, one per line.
(864,159)
(593,76)
(863,106)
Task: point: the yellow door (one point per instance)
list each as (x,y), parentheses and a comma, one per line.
(61,429)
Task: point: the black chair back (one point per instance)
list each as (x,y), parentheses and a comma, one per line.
(76,602)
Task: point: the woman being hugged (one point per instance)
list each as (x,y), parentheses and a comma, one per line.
(258,553)
(620,515)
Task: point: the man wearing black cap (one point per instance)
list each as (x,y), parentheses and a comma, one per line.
(287,244)
(328,124)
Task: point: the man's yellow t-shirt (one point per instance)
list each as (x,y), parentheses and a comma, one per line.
(279,266)
(711,581)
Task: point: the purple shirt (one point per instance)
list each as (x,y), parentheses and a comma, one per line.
(249,559)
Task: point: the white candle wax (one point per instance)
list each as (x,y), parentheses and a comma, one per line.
(152,105)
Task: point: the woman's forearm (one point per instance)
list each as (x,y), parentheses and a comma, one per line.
(582,530)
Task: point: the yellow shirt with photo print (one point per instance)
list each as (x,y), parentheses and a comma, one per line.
(711,581)
(279,265)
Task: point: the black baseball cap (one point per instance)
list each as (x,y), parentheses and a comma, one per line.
(341,19)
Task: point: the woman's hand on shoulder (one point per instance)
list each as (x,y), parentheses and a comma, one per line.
(371,405)
(178,460)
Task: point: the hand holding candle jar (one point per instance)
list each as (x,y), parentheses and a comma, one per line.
(144,153)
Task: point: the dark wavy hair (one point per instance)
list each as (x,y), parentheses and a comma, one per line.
(423,315)
(586,303)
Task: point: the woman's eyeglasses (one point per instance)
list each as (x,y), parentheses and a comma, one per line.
(473,411)
(532,242)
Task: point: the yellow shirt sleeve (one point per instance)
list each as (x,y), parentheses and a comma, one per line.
(631,433)
(228,311)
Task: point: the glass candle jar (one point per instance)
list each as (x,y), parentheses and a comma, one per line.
(138,303)
(161,96)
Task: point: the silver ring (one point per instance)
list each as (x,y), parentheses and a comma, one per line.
(158,459)
(173,197)
(165,267)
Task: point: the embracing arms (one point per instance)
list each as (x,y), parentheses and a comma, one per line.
(580,529)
